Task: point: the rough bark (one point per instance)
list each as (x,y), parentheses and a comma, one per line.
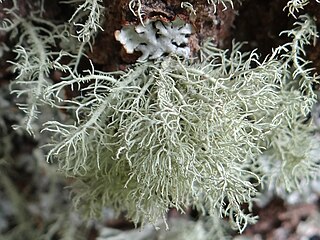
(207,23)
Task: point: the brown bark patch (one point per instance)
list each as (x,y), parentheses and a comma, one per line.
(208,24)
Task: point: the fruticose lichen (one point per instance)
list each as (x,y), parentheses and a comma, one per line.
(173,132)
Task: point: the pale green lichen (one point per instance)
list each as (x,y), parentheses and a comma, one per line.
(156,38)
(87,18)
(224,3)
(173,132)
(294,6)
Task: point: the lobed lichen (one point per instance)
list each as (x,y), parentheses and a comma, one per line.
(156,38)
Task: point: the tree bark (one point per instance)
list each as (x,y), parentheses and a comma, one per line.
(208,23)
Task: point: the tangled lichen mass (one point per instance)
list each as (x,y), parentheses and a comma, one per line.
(175,131)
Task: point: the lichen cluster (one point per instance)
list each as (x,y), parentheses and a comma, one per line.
(173,132)
(156,38)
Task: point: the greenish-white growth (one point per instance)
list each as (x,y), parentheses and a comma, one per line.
(173,132)
(293,153)
(135,7)
(87,18)
(205,228)
(156,38)
(225,3)
(34,61)
(189,7)
(294,6)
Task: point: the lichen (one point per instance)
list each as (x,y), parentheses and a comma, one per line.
(156,38)
(172,132)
